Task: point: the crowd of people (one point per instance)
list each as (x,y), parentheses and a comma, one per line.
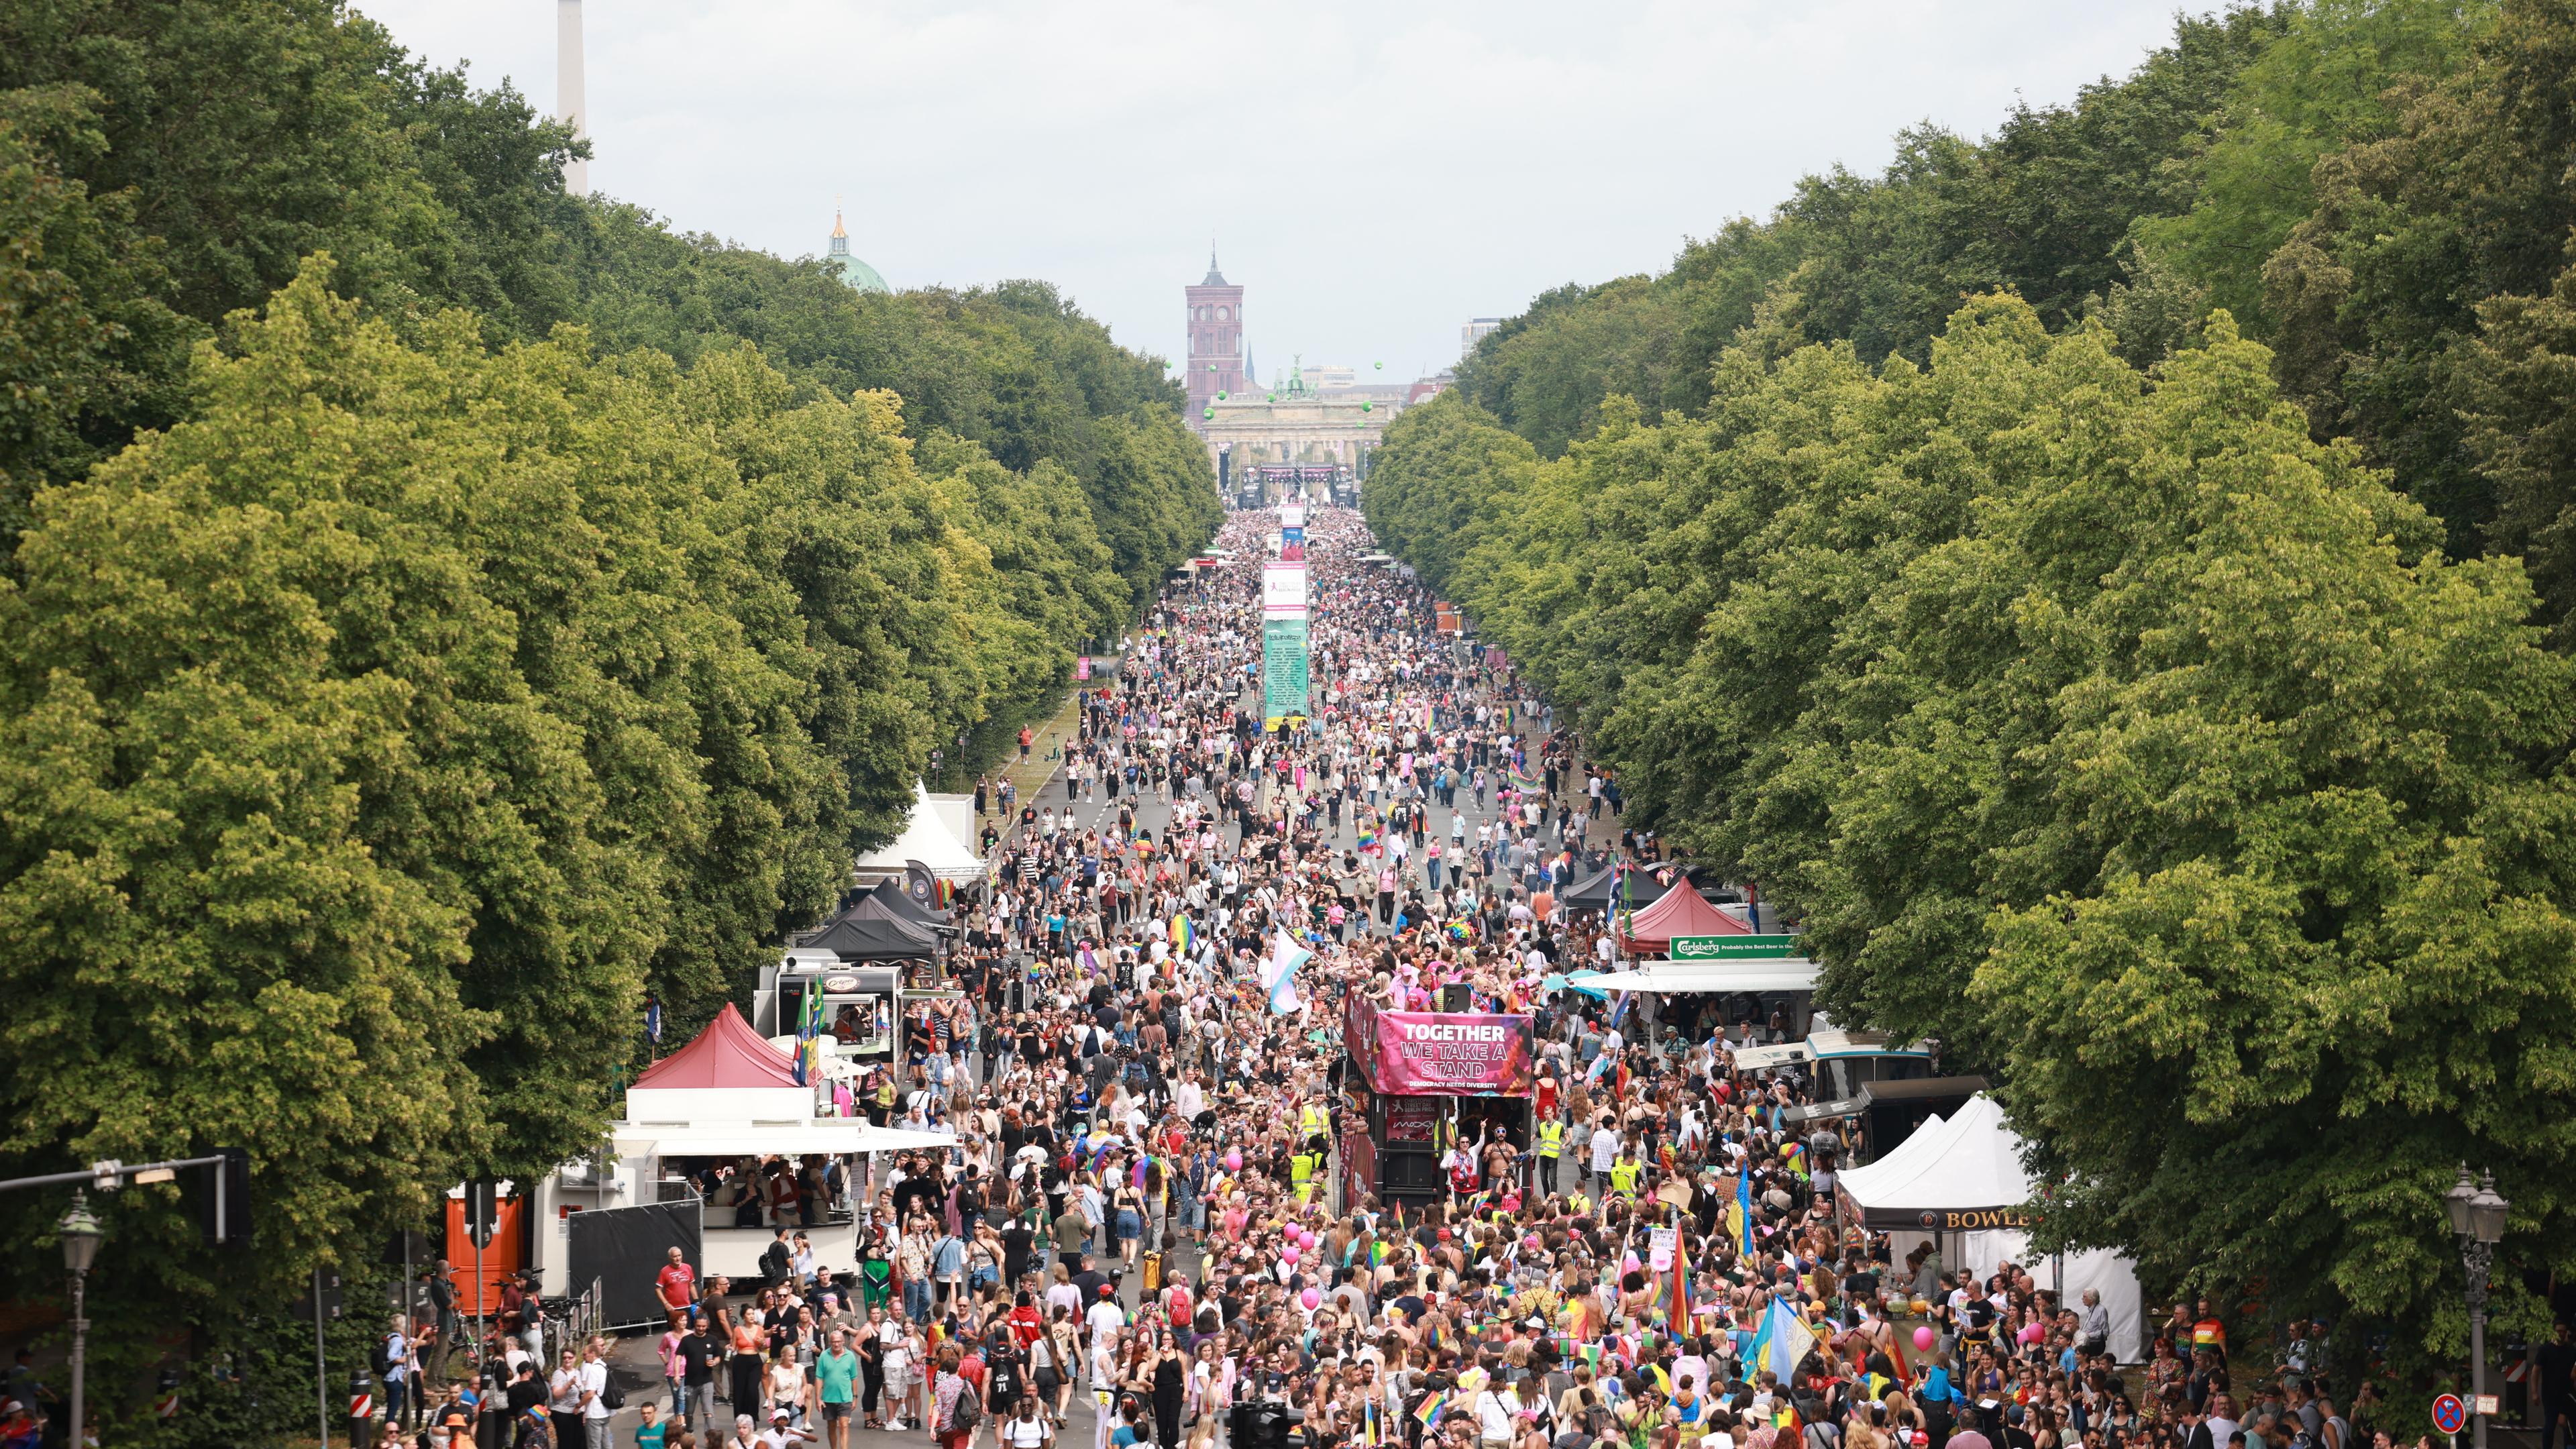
(1146,1212)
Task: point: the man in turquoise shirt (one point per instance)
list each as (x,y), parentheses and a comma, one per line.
(836,1373)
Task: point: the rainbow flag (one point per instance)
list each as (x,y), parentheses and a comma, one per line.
(809,1036)
(1432,1408)
(1368,837)
(1679,1308)
(1181,933)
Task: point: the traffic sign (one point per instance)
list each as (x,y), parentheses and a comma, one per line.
(2449,1414)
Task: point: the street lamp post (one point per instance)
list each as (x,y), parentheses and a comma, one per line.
(80,1234)
(2477,1220)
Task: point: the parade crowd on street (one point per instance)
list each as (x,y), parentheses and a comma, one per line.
(1142,1226)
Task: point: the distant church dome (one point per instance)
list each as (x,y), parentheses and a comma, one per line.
(855,274)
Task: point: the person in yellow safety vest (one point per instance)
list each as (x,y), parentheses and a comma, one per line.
(1580,1205)
(1301,1173)
(1551,1144)
(1623,1174)
(1312,1120)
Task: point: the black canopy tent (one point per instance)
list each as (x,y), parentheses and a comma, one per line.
(856,938)
(1894,1110)
(1601,892)
(888,902)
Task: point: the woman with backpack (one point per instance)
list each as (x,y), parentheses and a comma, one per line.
(955,1408)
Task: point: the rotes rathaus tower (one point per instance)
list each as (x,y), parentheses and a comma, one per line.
(1216,340)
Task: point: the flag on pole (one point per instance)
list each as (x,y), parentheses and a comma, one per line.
(809,1033)
(1744,1208)
(1784,1340)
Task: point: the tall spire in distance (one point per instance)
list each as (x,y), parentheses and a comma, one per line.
(571,105)
(1214,278)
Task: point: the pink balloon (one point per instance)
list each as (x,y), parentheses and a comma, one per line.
(1923,1340)
(1233,1160)
(1288,1254)
(1305,1238)
(2030,1333)
(1310,1298)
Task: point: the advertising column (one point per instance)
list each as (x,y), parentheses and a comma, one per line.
(1283,627)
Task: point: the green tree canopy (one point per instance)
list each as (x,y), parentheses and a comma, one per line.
(2102,724)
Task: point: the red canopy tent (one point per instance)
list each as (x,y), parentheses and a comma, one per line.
(727,1054)
(1681,912)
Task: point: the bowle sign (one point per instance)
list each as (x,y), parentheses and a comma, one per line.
(1976,1220)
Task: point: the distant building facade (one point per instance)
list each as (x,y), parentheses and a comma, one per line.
(1331,415)
(1474,332)
(1216,364)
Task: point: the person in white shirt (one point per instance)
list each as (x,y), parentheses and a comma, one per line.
(563,1397)
(1605,1150)
(1493,1416)
(595,1412)
(894,1350)
(1105,1319)
(1027,1429)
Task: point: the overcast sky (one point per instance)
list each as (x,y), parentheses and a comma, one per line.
(1373,173)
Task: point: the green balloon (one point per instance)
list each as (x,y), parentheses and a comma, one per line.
(1380,366)
(1364,407)
(1211,367)
(1220,397)
(1207,412)
(1274,397)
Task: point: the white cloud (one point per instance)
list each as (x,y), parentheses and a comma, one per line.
(1374,174)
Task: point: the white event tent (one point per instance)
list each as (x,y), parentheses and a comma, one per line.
(936,833)
(731,1093)
(1963,1180)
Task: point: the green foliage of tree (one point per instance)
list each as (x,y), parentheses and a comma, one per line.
(2375,295)
(1014,368)
(86,345)
(206,148)
(2336,73)
(376,736)
(1438,482)
(2098,721)
(396,683)
(2044,208)
(1545,375)
(2518,393)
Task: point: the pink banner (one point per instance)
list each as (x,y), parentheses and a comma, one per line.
(1441,1053)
